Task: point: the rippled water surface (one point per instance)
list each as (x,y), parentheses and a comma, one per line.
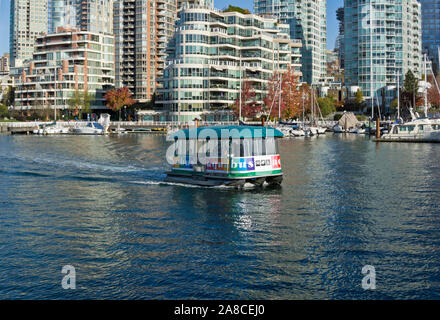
(100,204)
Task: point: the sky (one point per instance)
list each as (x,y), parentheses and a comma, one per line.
(332,25)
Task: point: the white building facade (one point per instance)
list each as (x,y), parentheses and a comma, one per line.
(383,41)
(214,53)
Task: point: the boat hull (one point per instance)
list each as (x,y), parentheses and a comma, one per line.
(211,181)
(82,131)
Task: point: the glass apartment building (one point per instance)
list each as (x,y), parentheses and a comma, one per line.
(308,21)
(431,31)
(214,52)
(62,13)
(142,30)
(62,63)
(28,19)
(382,40)
(88,15)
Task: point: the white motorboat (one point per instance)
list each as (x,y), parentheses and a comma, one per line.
(357,130)
(298,132)
(338,129)
(52,128)
(321,130)
(93,128)
(417,130)
(313,131)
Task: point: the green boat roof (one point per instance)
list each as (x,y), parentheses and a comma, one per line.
(235,132)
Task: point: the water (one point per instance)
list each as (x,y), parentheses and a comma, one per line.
(100,204)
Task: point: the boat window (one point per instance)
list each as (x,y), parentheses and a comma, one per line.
(202,145)
(395,130)
(235,148)
(263,147)
(270,146)
(411,128)
(258,147)
(246,148)
(223,148)
(403,128)
(420,127)
(180,147)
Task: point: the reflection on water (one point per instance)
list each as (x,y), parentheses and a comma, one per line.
(100,204)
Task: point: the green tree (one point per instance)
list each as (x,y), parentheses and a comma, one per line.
(393,105)
(327,105)
(236,9)
(80,102)
(3,111)
(359,100)
(9,96)
(411,86)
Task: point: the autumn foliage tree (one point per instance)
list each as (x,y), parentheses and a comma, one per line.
(249,107)
(118,98)
(433,94)
(290,99)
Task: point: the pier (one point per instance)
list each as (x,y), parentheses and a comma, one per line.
(129,126)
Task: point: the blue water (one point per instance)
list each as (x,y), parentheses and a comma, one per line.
(100,205)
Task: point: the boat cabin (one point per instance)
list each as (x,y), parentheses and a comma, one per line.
(224,154)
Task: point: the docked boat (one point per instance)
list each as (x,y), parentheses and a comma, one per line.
(338,129)
(417,130)
(92,128)
(95,128)
(237,156)
(52,128)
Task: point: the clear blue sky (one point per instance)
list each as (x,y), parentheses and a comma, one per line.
(332,26)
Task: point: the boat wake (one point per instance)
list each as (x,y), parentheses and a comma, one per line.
(165,183)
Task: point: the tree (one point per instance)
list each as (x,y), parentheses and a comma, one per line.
(3,111)
(327,105)
(236,9)
(433,94)
(291,95)
(80,102)
(117,98)
(359,99)
(411,86)
(249,108)
(9,96)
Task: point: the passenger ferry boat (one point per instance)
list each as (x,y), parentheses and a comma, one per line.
(238,156)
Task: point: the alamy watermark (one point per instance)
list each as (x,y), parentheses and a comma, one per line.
(369,281)
(69,280)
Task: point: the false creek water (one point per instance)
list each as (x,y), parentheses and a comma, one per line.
(100,205)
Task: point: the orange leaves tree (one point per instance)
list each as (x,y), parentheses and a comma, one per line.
(433,94)
(291,95)
(249,107)
(118,98)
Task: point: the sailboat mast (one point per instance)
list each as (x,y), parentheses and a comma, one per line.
(398,97)
(371,60)
(426,89)
(311,106)
(239,112)
(279,101)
